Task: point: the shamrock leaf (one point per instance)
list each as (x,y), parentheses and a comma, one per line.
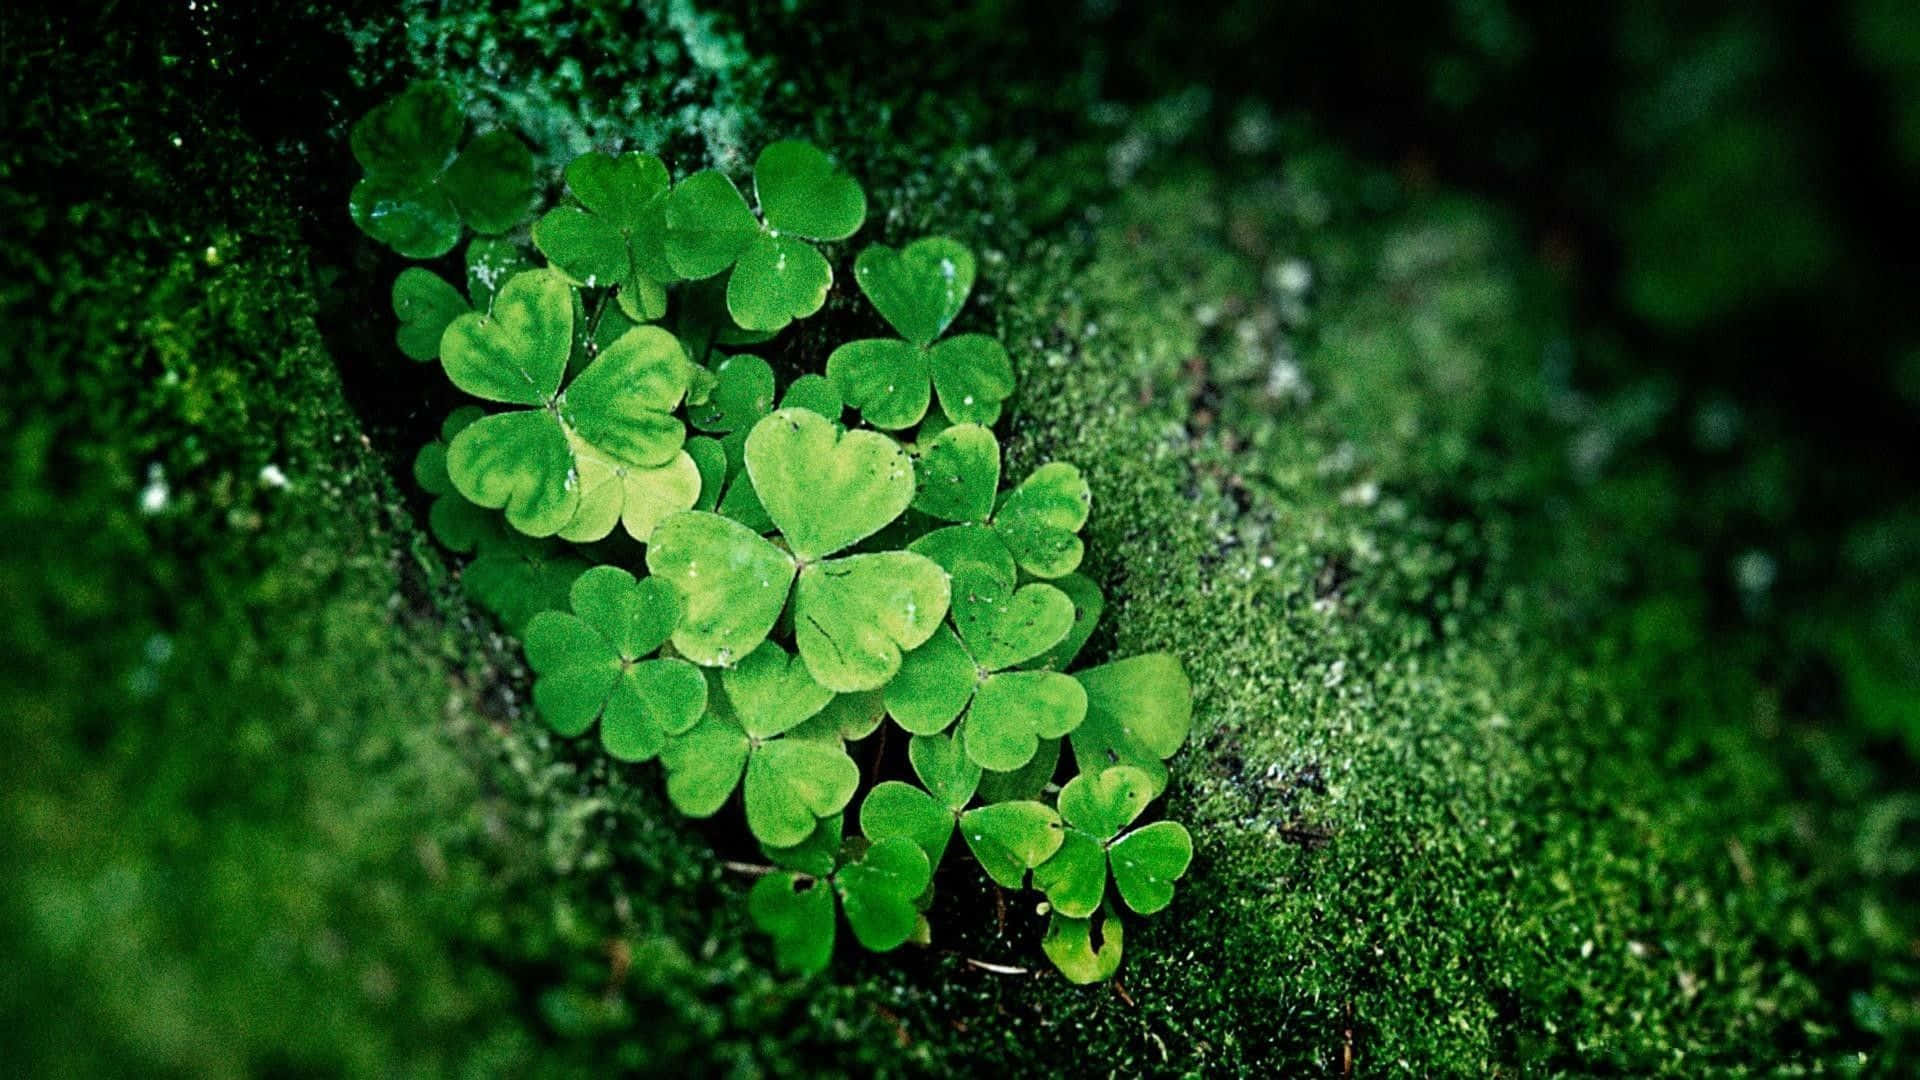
(425,304)
(1088,604)
(609,445)
(826,489)
(1147,861)
(789,784)
(926,817)
(1138,713)
(771,691)
(876,893)
(617,233)
(998,626)
(1011,838)
(958,474)
(1040,520)
(416,192)
(919,291)
(1026,782)
(592,665)
(847,718)
(733,582)
(777,276)
(1069,943)
(854,617)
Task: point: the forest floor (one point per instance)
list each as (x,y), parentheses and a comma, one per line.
(1478,783)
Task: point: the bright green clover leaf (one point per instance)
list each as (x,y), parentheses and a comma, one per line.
(592,665)
(999,626)
(927,817)
(734,583)
(891,381)
(1088,604)
(777,276)
(608,446)
(1026,782)
(1069,943)
(826,489)
(617,235)
(425,304)
(876,894)
(854,617)
(958,474)
(818,854)
(1139,711)
(789,784)
(771,692)
(847,718)
(710,460)
(1011,838)
(1145,862)
(1040,520)
(416,192)
(814,392)
(512,575)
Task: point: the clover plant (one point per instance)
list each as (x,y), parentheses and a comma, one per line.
(777,276)
(418,191)
(741,568)
(919,291)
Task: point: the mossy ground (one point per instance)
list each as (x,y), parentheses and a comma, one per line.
(1478,784)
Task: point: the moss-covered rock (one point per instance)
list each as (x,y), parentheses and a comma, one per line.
(1477,784)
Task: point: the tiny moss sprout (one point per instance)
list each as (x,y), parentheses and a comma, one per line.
(739,580)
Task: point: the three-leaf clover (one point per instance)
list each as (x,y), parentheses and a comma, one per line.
(606,451)
(593,664)
(777,276)
(853,615)
(1145,862)
(999,626)
(416,191)
(1039,522)
(1139,711)
(925,816)
(919,291)
(790,781)
(617,233)
(876,893)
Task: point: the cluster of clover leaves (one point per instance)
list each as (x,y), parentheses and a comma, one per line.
(807,578)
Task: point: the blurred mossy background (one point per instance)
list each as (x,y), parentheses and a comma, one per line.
(1510,417)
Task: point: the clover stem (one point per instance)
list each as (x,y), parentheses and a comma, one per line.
(593,322)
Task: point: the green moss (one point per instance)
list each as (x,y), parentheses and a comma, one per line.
(1477,785)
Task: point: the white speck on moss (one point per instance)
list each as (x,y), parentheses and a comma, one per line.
(271,476)
(155,496)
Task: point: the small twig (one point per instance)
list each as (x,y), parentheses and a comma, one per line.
(1124,996)
(997,969)
(752,869)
